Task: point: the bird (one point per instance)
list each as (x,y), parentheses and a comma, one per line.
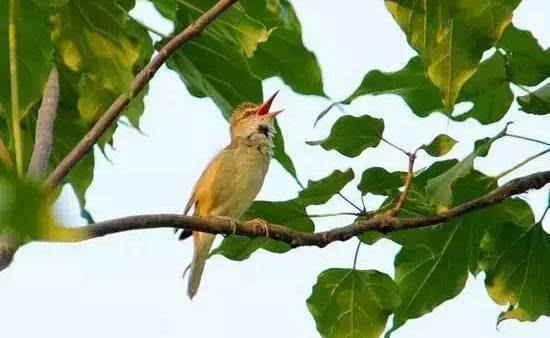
(233,178)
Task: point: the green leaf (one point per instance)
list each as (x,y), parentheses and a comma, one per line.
(97,58)
(34,58)
(166,8)
(379,181)
(447,252)
(515,262)
(439,189)
(410,83)
(417,202)
(538,102)
(488,89)
(451,37)
(215,65)
(352,303)
(284,54)
(321,191)
(527,63)
(290,213)
(351,135)
(440,145)
(104,51)
(234,25)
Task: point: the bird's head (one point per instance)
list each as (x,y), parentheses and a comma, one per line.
(251,118)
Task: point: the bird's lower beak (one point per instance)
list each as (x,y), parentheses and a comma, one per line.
(275,113)
(264,108)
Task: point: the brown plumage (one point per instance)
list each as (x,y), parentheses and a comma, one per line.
(233,178)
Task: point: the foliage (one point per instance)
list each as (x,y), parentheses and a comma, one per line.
(99,55)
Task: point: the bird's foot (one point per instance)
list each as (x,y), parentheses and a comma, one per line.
(263,224)
(232,222)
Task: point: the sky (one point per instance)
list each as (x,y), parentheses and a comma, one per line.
(130,284)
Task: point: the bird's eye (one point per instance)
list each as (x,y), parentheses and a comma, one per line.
(249,112)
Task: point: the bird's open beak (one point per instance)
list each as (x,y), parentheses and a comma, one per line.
(264,108)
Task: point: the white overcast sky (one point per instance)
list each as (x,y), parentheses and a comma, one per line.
(130,285)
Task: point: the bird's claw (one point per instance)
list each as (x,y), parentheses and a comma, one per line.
(233,224)
(262,223)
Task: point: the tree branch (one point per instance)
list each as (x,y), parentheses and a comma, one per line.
(408,181)
(44,128)
(379,222)
(141,80)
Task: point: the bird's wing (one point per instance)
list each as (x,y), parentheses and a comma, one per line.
(207,176)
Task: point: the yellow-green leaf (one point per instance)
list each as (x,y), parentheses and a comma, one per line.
(440,145)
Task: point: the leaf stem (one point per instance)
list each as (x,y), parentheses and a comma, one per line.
(528,139)
(522,163)
(356,254)
(15,114)
(350,202)
(395,146)
(544,214)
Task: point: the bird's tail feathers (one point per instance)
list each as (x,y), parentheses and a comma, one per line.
(203,242)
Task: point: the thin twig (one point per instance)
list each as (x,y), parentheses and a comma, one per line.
(44,128)
(14,86)
(379,222)
(521,164)
(408,180)
(544,214)
(528,139)
(395,146)
(141,80)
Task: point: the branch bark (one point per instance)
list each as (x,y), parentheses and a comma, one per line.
(141,80)
(44,128)
(379,222)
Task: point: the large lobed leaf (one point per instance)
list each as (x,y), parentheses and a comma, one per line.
(352,303)
(527,62)
(284,54)
(515,258)
(98,50)
(433,264)
(451,36)
(488,89)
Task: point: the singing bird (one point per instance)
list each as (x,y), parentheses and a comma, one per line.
(231,181)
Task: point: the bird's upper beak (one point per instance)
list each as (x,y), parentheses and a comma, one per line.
(264,108)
